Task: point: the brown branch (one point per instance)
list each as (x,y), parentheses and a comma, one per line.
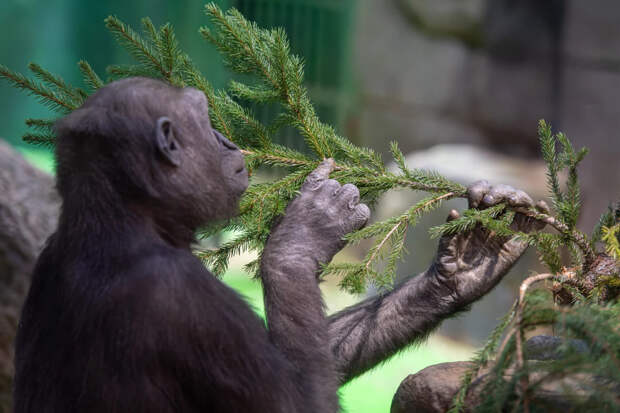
(575,235)
(383,241)
(524,381)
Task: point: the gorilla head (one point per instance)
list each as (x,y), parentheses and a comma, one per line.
(149,147)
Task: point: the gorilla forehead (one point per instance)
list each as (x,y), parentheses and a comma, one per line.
(151,96)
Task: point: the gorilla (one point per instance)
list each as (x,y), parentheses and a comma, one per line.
(121,317)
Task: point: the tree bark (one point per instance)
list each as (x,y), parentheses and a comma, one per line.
(29,207)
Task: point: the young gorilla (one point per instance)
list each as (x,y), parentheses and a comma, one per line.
(121,317)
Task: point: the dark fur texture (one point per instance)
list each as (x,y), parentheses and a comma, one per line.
(121,317)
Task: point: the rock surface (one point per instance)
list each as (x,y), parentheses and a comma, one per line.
(29,207)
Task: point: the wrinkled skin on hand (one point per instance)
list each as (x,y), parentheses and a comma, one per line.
(316,221)
(466,267)
(470,264)
(310,233)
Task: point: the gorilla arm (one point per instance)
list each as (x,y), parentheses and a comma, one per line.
(309,233)
(466,267)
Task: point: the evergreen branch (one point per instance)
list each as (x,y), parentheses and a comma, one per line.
(527,283)
(548,148)
(611,238)
(259,93)
(606,219)
(379,246)
(572,201)
(481,360)
(420,180)
(168,49)
(71,94)
(393,230)
(399,158)
(352,276)
(467,221)
(135,45)
(148,28)
(218,259)
(358,155)
(44,94)
(574,235)
(90,77)
(242,49)
(41,125)
(249,132)
(41,139)
(123,71)
(278,160)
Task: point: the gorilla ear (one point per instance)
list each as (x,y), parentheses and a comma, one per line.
(166,143)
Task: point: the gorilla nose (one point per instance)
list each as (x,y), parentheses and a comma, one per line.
(227,144)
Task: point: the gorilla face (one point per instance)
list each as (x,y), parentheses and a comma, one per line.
(208,169)
(151,146)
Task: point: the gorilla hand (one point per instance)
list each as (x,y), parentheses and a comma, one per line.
(469,265)
(316,221)
(309,233)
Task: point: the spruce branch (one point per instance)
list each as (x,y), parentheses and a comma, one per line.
(527,283)
(266,53)
(140,49)
(41,125)
(40,139)
(481,359)
(278,77)
(75,95)
(579,238)
(44,94)
(90,77)
(611,237)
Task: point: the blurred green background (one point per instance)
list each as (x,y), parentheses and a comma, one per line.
(57,33)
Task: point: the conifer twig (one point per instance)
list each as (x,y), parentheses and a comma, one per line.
(519,333)
(575,235)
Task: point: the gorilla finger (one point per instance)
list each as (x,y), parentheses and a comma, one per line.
(330,188)
(359,218)
(321,173)
(521,223)
(348,195)
(520,199)
(498,194)
(542,207)
(477,191)
(454,214)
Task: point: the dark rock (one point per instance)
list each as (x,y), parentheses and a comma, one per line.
(431,389)
(550,347)
(29,207)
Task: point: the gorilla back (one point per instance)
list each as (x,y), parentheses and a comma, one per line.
(121,317)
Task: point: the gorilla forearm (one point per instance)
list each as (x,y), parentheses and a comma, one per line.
(293,303)
(309,233)
(371,331)
(296,320)
(466,267)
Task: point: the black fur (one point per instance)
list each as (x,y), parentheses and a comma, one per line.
(121,317)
